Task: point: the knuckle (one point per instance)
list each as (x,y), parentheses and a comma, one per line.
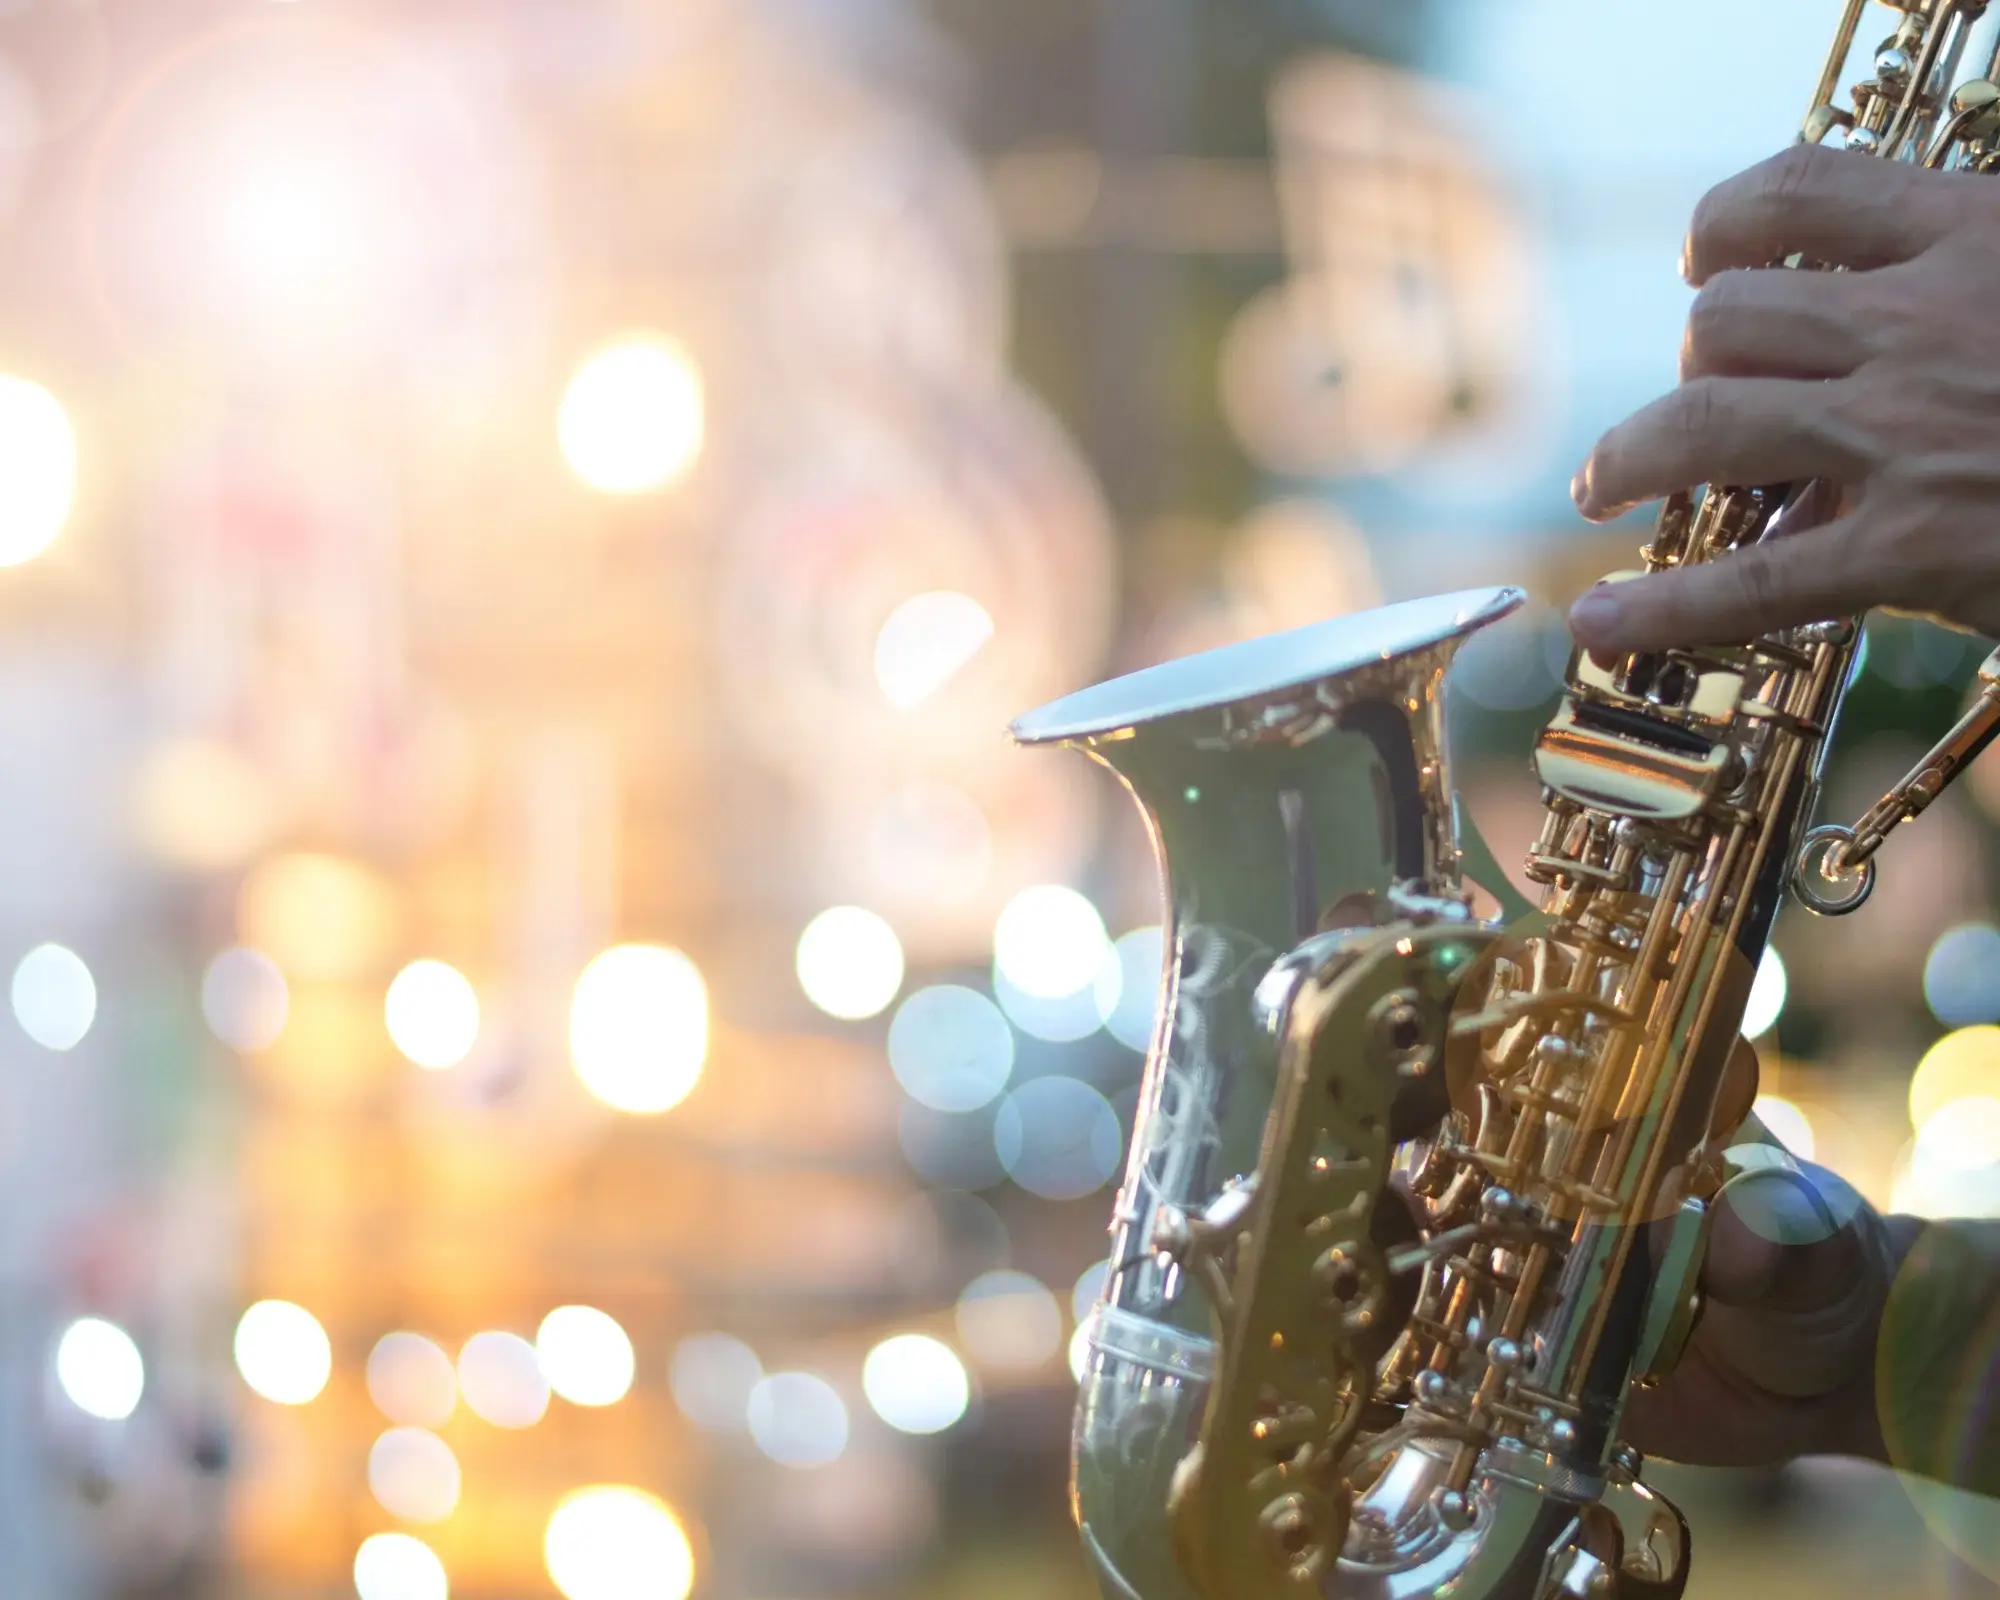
(1759,583)
(1896,558)
(1750,213)
(1851,423)
(1910,310)
(1790,177)
(1712,314)
(1695,409)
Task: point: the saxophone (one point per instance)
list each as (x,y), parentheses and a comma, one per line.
(1381,1277)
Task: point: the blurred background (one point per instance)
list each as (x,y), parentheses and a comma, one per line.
(554,1047)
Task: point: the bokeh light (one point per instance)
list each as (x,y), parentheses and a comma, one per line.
(293,226)
(1961,1136)
(411,1380)
(1952,1167)
(1790,1125)
(203,805)
(100,1369)
(1963,1065)
(916,1383)
(319,917)
(398,1566)
(632,418)
(927,641)
(1962,976)
(1079,1351)
(432,1013)
(850,963)
(1049,942)
(1058,1019)
(413,1475)
(1089,1288)
(37,470)
(1127,989)
(1515,665)
(798,1419)
(713,1375)
(586,1356)
(638,1028)
(502,1381)
(1768,993)
(283,1353)
(951,1049)
(1009,1321)
(929,843)
(613,1542)
(54,997)
(245,1000)
(950,1149)
(1058,1138)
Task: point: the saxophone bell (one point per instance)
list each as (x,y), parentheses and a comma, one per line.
(1297,793)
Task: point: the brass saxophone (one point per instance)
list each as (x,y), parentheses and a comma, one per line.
(1380,1275)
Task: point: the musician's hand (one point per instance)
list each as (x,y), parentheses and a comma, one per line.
(1782,1361)
(1883,379)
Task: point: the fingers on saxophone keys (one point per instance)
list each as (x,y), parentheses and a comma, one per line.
(1827,205)
(1719,430)
(1737,597)
(1777,325)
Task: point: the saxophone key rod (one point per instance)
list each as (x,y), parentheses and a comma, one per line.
(1836,865)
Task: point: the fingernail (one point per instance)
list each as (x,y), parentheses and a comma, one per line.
(1579,489)
(1687,264)
(1595,615)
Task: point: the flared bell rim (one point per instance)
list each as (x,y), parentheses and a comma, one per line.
(1259,668)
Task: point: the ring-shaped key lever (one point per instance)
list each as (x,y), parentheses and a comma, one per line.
(1825,884)
(1835,870)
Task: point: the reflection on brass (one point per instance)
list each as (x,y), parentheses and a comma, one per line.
(1381,1281)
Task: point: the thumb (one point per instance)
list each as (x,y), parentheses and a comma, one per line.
(1793,1280)
(1783,1239)
(1753,591)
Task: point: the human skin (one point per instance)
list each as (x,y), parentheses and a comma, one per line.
(1828,1328)
(1882,379)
